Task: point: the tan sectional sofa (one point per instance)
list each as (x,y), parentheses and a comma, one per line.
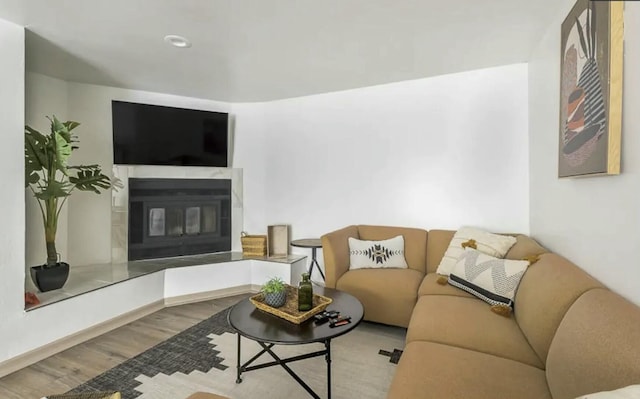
(568,335)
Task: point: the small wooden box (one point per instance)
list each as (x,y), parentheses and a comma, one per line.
(278,240)
(254,245)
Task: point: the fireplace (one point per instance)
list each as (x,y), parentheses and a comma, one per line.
(175,217)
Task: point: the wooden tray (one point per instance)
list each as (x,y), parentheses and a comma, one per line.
(289,311)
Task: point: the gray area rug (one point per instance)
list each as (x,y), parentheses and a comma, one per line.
(203,358)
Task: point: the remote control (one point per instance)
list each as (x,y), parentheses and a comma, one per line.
(332,314)
(341,321)
(320,318)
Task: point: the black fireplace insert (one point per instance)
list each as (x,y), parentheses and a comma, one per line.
(175,217)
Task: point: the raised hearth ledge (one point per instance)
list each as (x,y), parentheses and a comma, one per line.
(83,316)
(85,279)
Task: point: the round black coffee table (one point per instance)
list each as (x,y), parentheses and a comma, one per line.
(269,330)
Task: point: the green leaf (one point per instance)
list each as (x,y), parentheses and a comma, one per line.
(90,178)
(62,151)
(70,125)
(32,178)
(54,189)
(60,128)
(84,167)
(35,154)
(36,134)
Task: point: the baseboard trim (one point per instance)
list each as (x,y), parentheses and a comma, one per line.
(28,358)
(208,295)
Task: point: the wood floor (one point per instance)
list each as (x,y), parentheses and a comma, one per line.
(66,370)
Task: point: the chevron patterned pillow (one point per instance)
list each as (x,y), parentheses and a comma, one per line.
(491,279)
(377,254)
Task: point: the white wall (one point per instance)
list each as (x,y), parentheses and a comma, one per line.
(250,154)
(431,153)
(595,221)
(44,96)
(12,168)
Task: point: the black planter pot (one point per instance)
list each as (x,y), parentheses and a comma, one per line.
(50,278)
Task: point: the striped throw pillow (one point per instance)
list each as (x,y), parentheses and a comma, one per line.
(491,279)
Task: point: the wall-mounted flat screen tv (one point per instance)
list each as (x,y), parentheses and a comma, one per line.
(157,135)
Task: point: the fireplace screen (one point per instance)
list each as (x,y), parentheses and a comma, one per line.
(192,220)
(156,222)
(173,217)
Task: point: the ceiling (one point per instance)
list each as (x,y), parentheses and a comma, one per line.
(259,50)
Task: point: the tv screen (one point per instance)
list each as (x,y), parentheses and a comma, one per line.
(157,135)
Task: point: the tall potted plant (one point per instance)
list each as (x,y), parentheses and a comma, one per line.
(52,180)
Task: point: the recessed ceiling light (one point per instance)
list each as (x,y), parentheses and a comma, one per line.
(177,41)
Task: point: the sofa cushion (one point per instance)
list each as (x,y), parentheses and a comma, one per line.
(596,346)
(430,370)
(524,247)
(437,245)
(547,290)
(467,323)
(415,242)
(335,252)
(380,254)
(430,286)
(388,295)
(491,244)
(491,279)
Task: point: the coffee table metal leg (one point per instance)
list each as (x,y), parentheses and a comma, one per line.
(327,345)
(266,348)
(239,370)
(283,364)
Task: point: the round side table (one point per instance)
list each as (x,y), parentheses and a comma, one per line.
(314,244)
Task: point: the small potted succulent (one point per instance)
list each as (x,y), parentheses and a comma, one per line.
(275,292)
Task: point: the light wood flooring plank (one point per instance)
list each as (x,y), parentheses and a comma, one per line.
(72,367)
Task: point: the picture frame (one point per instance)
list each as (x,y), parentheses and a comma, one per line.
(591,89)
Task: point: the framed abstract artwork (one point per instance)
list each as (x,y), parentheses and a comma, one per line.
(591,89)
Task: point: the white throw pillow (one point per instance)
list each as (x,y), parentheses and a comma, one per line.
(630,392)
(377,254)
(495,245)
(489,278)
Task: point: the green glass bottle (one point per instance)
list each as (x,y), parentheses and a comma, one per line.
(305,293)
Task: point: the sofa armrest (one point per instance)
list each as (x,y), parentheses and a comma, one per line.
(335,250)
